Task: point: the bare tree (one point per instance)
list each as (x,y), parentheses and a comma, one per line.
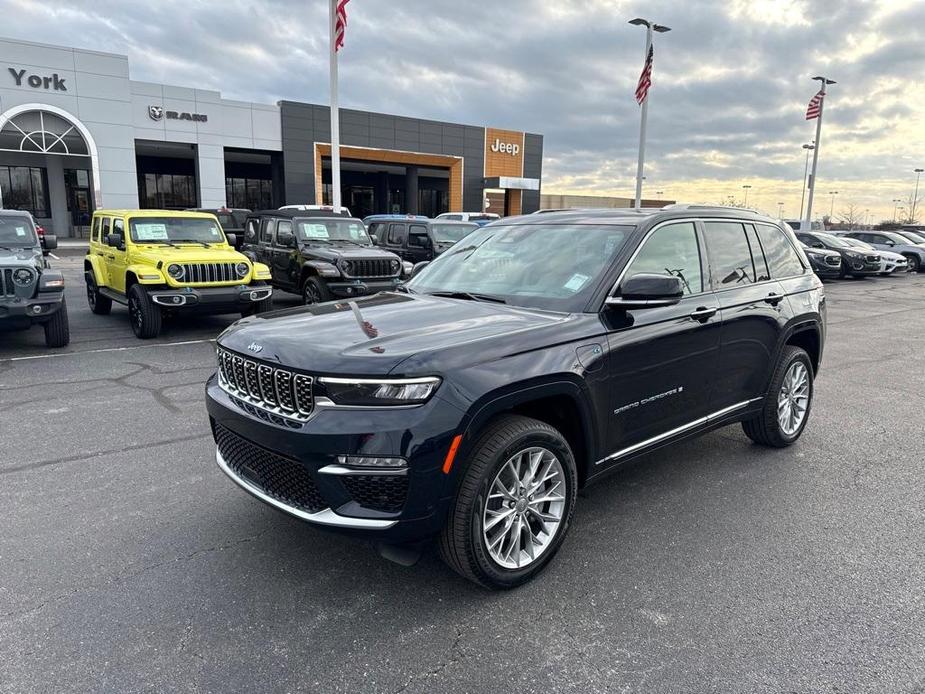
(909,204)
(851,217)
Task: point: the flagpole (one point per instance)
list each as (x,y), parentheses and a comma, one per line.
(807,221)
(335,114)
(640,165)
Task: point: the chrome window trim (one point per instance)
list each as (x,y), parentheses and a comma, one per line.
(677,430)
(323,517)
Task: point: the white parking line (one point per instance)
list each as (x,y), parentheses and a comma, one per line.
(109,349)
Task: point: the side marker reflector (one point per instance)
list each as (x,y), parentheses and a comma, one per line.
(451,454)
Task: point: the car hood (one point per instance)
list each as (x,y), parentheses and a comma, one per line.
(347,252)
(189,254)
(821,252)
(376,334)
(20,256)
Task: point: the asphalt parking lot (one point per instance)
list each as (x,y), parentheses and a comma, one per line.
(129,563)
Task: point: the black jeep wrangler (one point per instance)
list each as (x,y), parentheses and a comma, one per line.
(320,255)
(30,293)
(418,240)
(471,404)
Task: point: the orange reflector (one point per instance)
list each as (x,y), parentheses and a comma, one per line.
(451,454)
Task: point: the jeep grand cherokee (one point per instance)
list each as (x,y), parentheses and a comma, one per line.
(529,360)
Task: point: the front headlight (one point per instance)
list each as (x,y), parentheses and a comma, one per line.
(396,265)
(175,271)
(242,269)
(22,276)
(359,392)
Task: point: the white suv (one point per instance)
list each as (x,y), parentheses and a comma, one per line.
(480,218)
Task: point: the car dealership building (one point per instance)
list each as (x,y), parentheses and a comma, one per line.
(76,134)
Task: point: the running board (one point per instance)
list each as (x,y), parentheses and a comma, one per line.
(118,297)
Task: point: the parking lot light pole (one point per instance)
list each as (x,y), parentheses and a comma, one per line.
(780,210)
(812,181)
(896,201)
(335,113)
(915,195)
(808,147)
(650,27)
(746,188)
(833,193)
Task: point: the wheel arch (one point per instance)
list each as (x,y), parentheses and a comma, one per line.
(95,267)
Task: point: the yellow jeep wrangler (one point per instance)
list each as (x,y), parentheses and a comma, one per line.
(161,261)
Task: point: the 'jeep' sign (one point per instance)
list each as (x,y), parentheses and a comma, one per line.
(53,81)
(158,113)
(505,147)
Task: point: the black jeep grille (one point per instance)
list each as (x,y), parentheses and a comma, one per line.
(369,268)
(281,478)
(381,493)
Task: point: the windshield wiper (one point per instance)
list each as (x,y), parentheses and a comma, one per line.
(204,244)
(470,296)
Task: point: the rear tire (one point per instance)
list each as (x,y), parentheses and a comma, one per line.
(766,428)
(99,304)
(914,263)
(144,315)
(57,329)
(314,291)
(510,444)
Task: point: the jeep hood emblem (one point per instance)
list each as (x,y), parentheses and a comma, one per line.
(254,347)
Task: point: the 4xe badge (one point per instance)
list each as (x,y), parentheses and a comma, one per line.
(254,347)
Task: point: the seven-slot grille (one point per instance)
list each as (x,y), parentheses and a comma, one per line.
(201,273)
(278,391)
(369,268)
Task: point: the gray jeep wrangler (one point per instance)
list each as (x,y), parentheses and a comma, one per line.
(30,292)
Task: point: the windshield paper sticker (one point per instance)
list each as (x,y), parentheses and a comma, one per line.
(151,231)
(576,282)
(20,231)
(315,231)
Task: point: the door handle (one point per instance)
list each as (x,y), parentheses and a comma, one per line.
(111,257)
(703,314)
(773,298)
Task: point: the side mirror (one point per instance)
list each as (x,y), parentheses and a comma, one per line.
(418,267)
(232,240)
(647,290)
(890,243)
(49,242)
(374,239)
(115,240)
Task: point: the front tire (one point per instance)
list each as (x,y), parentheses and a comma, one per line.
(144,315)
(914,263)
(314,291)
(786,407)
(57,329)
(514,504)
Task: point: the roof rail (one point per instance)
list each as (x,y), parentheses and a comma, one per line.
(688,206)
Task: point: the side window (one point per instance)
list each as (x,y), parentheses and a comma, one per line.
(780,254)
(105,228)
(396,235)
(95,230)
(250,231)
(417,236)
(457,217)
(762,263)
(672,250)
(374,229)
(266,230)
(118,227)
(730,254)
(283,227)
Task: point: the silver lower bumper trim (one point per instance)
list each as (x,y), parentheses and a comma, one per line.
(323,517)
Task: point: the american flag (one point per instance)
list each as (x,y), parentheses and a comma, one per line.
(815,106)
(645,79)
(340,24)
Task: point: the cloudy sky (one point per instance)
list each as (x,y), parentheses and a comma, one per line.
(731,80)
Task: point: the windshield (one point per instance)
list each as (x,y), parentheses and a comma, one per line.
(331,230)
(175,230)
(548,266)
(451,233)
(896,238)
(913,236)
(830,240)
(857,243)
(17,231)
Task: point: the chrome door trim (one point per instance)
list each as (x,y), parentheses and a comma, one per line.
(678,430)
(323,517)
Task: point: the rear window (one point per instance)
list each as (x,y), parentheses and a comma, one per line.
(730,254)
(782,258)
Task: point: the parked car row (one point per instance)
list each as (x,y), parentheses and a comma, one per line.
(861,253)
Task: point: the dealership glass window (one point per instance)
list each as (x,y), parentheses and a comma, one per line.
(249,193)
(167,191)
(671,250)
(25,188)
(433,202)
(730,254)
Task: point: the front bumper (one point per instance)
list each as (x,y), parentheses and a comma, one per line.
(35,310)
(361,287)
(211,299)
(825,270)
(294,467)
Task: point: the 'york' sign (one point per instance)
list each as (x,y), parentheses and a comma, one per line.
(505,147)
(38,81)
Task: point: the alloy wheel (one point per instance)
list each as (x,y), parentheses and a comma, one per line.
(524,508)
(134,312)
(91,296)
(310,294)
(793,399)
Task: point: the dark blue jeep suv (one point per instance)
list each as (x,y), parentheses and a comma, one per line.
(535,356)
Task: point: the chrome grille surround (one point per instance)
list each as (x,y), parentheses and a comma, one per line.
(278,391)
(209,273)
